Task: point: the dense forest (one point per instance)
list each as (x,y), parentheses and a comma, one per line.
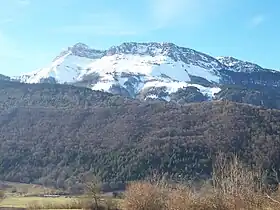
(56,134)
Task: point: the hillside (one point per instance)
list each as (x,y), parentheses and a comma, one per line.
(153,70)
(54,134)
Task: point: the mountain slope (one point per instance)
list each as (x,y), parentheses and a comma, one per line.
(55,134)
(242,66)
(130,67)
(3,77)
(164,71)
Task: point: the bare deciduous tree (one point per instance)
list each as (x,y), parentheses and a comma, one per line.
(93,189)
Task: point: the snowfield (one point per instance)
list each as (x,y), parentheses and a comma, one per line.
(134,67)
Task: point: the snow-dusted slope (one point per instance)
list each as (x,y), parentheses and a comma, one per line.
(240,66)
(130,68)
(147,70)
(64,69)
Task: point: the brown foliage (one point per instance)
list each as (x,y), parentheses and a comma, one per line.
(144,196)
(54,134)
(233,190)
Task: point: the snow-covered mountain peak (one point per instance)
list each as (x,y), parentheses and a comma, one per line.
(237,65)
(81,50)
(170,50)
(131,68)
(148,48)
(151,69)
(153,49)
(80,46)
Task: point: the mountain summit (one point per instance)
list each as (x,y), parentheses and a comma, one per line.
(145,70)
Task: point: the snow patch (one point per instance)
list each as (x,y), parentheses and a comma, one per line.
(103,86)
(207,91)
(152,96)
(65,69)
(171,87)
(201,72)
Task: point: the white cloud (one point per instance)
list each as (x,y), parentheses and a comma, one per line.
(95,30)
(159,14)
(172,12)
(103,24)
(164,12)
(257,20)
(23,2)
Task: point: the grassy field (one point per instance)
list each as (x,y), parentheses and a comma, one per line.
(20,195)
(23,202)
(26,189)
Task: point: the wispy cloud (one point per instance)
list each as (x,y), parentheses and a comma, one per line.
(257,20)
(165,12)
(159,14)
(172,12)
(102,24)
(100,30)
(24,2)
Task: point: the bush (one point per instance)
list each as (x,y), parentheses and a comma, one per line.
(233,187)
(2,195)
(144,196)
(119,195)
(107,204)
(14,190)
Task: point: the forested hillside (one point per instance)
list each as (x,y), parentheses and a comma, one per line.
(54,134)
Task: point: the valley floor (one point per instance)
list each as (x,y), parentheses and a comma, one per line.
(233,187)
(23,202)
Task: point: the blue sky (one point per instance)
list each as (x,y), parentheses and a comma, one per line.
(33,32)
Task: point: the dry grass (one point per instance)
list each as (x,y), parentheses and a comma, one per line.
(82,203)
(141,196)
(58,203)
(73,204)
(234,187)
(22,202)
(26,189)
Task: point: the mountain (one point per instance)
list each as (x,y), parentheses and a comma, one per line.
(3,77)
(163,71)
(131,69)
(237,65)
(56,134)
